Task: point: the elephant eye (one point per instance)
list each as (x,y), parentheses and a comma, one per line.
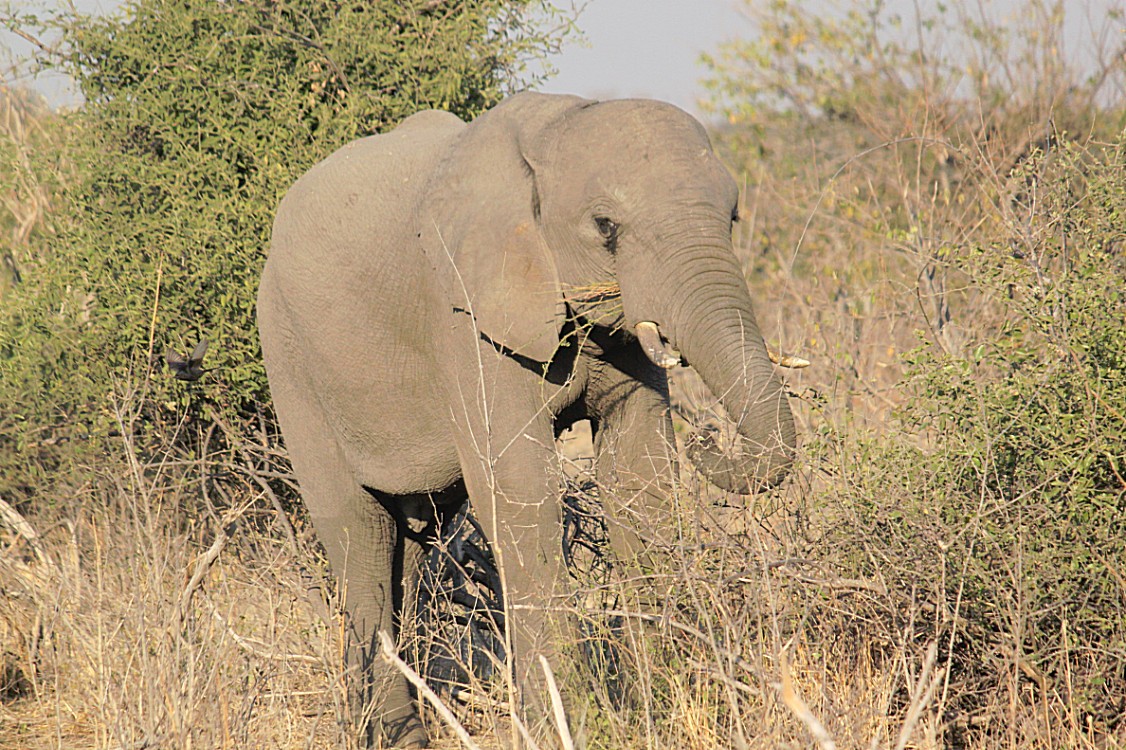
(608,229)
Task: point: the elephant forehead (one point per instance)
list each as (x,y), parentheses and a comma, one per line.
(639,169)
(678,184)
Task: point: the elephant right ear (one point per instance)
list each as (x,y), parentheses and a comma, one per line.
(481,233)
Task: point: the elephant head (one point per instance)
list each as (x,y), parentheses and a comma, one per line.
(619,213)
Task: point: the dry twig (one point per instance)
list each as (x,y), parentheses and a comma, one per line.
(389,654)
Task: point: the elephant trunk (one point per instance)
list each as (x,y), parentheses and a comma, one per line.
(714,327)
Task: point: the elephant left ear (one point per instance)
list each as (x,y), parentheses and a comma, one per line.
(481,231)
(498,271)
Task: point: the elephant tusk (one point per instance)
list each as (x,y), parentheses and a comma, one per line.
(787,360)
(655,349)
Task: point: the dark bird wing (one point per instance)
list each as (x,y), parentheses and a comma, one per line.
(189,367)
(195,359)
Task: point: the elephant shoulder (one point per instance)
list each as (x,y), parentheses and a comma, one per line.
(415,143)
(381,171)
(434,120)
(347,210)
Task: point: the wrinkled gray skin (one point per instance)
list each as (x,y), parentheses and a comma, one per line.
(428,328)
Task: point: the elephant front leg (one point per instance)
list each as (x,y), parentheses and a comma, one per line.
(511,473)
(635,466)
(635,452)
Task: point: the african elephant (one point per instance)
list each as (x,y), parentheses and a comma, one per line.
(440,301)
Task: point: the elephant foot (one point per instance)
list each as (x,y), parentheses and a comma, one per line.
(405,732)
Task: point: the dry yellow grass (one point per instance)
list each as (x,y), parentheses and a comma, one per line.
(117,644)
(139,613)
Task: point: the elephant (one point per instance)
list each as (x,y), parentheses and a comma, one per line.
(440,301)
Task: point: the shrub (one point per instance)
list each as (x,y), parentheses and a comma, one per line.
(936,205)
(198,116)
(1009,521)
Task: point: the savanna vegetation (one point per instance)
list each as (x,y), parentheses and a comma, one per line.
(934,214)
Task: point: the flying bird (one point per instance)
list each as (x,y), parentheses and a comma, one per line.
(191,367)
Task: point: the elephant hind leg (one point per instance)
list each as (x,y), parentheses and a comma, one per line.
(418,520)
(370,559)
(376,560)
(360,538)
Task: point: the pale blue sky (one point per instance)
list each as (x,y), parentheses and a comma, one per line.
(646,48)
(652,47)
(634,47)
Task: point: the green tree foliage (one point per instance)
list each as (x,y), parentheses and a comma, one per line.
(198,116)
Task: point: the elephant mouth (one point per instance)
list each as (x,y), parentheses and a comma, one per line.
(656,346)
(593,293)
(600,304)
(597,305)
